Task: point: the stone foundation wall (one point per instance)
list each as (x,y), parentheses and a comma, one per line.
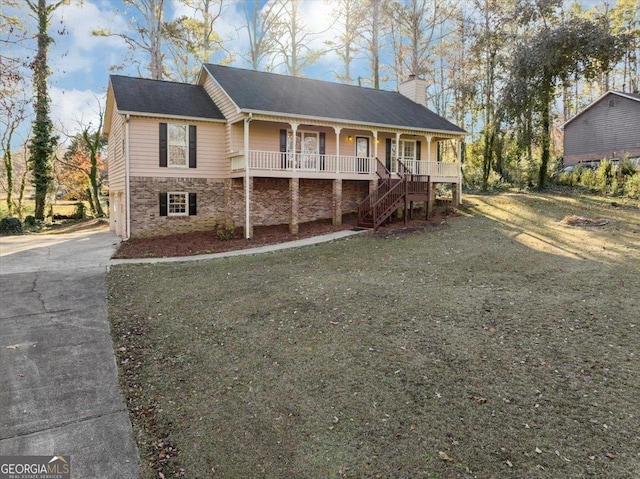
(271,202)
(212,198)
(316,200)
(353,192)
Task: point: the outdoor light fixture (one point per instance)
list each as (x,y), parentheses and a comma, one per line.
(350,138)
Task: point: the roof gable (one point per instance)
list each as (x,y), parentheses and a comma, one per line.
(156,97)
(255,91)
(630,96)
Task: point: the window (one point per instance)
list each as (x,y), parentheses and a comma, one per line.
(178,145)
(407,149)
(177,204)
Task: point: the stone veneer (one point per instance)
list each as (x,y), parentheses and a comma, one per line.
(212,198)
(271,202)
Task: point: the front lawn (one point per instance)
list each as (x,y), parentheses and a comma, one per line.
(501,343)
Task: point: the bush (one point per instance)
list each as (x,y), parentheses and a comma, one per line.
(30,221)
(10,226)
(632,186)
(80,212)
(225,228)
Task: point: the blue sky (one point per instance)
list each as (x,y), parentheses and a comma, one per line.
(80,61)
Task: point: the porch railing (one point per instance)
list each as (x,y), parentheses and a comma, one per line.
(277,161)
(433,168)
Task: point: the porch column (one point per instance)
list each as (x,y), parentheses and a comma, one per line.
(397,153)
(428,138)
(294,129)
(457,188)
(432,198)
(294,193)
(337,129)
(248,229)
(337,202)
(375,145)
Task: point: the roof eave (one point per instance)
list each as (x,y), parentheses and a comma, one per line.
(352,122)
(175,117)
(588,107)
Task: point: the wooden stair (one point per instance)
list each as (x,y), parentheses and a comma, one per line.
(391,193)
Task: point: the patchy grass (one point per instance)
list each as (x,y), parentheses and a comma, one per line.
(502,343)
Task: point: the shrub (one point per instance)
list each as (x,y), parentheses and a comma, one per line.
(30,221)
(628,168)
(225,228)
(632,186)
(80,212)
(10,226)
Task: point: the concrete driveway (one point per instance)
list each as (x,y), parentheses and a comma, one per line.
(59,390)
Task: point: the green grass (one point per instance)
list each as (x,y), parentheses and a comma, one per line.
(502,339)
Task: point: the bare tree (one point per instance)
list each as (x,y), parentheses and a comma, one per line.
(260,22)
(192,40)
(350,21)
(292,38)
(372,32)
(146,35)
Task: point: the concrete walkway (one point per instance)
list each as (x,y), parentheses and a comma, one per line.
(59,391)
(260,249)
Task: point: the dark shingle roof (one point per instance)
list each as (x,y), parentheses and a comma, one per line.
(635,96)
(141,95)
(269,92)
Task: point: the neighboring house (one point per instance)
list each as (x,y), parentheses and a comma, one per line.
(264,149)
(607,128)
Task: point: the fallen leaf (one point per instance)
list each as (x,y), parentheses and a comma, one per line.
(538,450)
(508,463)
(13,346)
(413,427)
(610,455)
(444,456)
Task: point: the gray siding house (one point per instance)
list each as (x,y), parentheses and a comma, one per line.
(607,128)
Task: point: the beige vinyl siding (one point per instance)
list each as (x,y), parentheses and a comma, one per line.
(222,101)
(144,150)
(604,130)
(115,152)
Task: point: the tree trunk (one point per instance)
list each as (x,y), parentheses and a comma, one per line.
(545,140)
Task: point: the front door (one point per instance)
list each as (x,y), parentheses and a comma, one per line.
(309,150)
(362,154)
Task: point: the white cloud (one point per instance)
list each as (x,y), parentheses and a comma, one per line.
(78,49)
(72,110)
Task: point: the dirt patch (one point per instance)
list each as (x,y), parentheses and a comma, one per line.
(501,344)
(206,242)
(575,220)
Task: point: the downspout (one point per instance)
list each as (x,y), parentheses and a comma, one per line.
(127,182)
(247,191)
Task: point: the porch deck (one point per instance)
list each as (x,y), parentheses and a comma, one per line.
(284,165)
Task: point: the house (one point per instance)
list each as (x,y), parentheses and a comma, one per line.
(262,149)
(607,128)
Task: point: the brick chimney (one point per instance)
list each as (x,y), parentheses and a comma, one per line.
(415,89)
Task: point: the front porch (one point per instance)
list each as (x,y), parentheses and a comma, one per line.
(289,165)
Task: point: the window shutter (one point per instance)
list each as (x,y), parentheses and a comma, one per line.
(418,148)
(162,198)
(438,152)
(193,208)
(192,146)
(283,141)
(388,153)
(163,145)
(323,141)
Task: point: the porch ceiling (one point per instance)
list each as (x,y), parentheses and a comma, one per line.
(436,135)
